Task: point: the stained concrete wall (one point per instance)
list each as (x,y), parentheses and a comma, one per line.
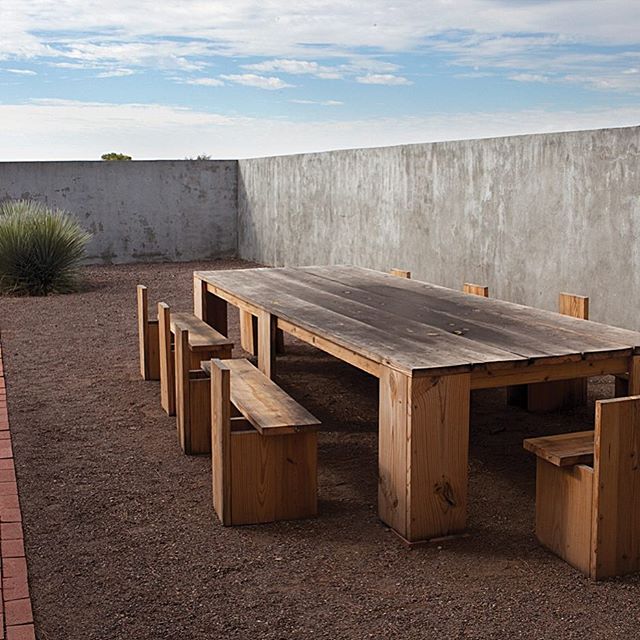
(530,215)
(138,211)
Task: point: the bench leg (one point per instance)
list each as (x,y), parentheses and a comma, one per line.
(193,408)
(423,454)
(167,365)
(147,338)
(564,510)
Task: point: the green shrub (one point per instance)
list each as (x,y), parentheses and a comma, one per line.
(113,156)
(40,249)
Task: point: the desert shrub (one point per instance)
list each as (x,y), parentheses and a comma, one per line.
(113,156)
(40,249)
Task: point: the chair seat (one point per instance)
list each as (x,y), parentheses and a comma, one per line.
(563,450)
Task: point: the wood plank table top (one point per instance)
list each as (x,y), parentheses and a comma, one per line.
(416,327)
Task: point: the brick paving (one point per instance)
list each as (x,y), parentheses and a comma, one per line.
(16,618)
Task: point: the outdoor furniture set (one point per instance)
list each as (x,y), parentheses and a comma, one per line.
(263,443)
(429,346)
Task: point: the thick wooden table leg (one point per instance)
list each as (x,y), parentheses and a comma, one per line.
(267,343)
(634,376)
(209,307)
(248,332)
(423,454)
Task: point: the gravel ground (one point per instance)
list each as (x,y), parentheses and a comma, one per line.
(122,541)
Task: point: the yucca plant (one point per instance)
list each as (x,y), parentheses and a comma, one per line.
(40,249)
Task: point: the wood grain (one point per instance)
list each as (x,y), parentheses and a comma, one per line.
(267,327)
(147,337)
(143,317)
(616,515)
(476,289)
(552,396)
(248,332)
(563,450)
(563,511)
(434,329)
(263,403)
(182,388)
(167,365)
(400,273)
(221,439)
(423,454)
(257,479)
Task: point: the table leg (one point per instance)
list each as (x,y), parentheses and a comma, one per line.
(423,454)
(209,307)
(634,376)
(267,343)
(248,332)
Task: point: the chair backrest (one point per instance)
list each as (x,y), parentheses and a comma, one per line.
(615,526)
(401,273)
(476,289)
(574,306)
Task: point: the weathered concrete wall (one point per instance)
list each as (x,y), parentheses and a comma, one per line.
(530,215)
(138,211)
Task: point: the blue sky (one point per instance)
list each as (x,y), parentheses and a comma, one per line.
(244,78)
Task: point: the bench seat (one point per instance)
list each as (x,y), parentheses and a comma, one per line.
(563,450)
(201,335)
(262,402)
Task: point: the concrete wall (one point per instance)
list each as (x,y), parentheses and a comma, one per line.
(138,211)
(530,215)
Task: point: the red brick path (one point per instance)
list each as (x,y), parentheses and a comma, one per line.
(16,618)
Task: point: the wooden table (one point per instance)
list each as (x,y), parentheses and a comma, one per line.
(429,346)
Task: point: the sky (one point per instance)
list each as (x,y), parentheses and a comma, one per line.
(233,79)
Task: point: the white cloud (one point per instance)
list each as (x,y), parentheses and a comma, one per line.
(68,130)
(529,77)
(324,103)
(270,83)
(205,82)
(172,33)
(382,78)
(116,73)
(296,67)
(21,72)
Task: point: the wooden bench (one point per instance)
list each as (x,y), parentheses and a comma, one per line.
(204,342)
(147,338)
(264,461)
(588,491)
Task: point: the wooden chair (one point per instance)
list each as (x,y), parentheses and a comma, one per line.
(264,461)
(204,342)
(588,491)
(563,394)
(147,338)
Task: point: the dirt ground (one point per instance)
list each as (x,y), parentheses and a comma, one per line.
(122,541)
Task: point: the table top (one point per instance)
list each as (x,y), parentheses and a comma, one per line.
(414,326)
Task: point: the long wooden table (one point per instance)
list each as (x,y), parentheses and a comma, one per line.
(429,346)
